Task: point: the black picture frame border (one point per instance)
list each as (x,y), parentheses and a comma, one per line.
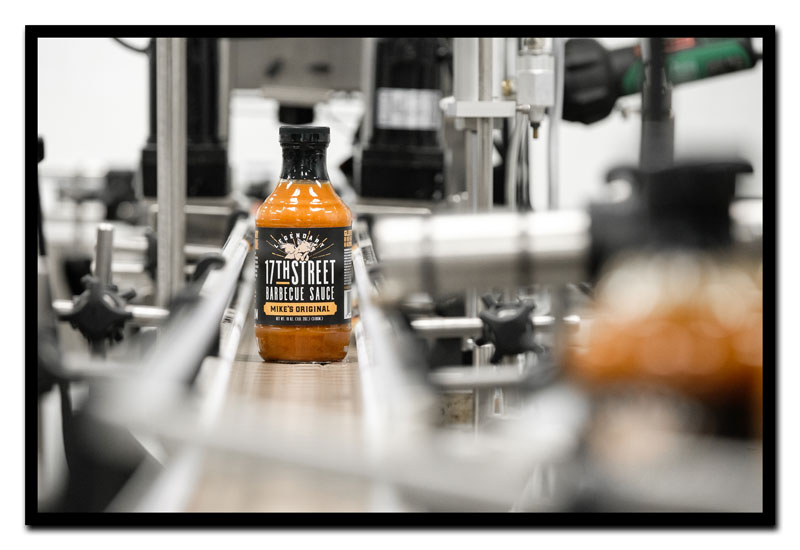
(765,520)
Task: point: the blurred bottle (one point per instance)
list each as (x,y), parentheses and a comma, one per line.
(682,321)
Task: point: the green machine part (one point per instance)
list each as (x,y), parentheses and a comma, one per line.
(706,58)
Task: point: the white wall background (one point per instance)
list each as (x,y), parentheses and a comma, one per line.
(92,107)
(92,103)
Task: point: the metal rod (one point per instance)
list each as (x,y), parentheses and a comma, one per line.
(171,164)
(234,245)
(368,54)
(512,161)
(169,489)
(484,69)
(480,395)
(657,148)
(484,185)
(242,309)
(144,316)
(402,396)
(177,354)
(456,469)
(554,125)
(363,208)
(453,466)
(484,127)
(139,244)
(224,55)
(448,327)
(103,253)
(470,169)
(500,250)
(178,166)
(471,327)
(465,378)
(154,316)
(163,172)
(465,64)
(129,268)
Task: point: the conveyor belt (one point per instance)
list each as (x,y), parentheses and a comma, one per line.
(328,387)
(240,484)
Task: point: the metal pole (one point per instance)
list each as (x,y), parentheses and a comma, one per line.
(520,128)
(237,239)
(224,53)
(179,163)
(171,164)
(143,316)
(139,244)
(103,252)
(177,354)
(457,327)
(484,125)
(368,53)
(402,393)
(465,88)
(163,172)
(47,334)
(484,199)
(465,378)
(554,126)
(465,64)
(171,487)
(658,125)
(540,247)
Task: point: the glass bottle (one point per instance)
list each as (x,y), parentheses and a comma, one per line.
(303,257)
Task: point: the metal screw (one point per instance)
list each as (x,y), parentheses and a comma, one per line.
(533,43)
(507,87)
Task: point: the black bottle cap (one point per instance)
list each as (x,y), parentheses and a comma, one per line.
(305,135)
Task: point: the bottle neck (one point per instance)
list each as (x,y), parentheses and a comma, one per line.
(304,163)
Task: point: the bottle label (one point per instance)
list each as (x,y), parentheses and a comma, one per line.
(303,275)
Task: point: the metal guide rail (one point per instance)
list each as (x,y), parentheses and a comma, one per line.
(364,426)
(365,434)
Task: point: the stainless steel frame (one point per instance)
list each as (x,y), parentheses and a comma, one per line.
(171,159)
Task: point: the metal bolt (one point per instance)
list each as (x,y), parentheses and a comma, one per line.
(533,43)
(507,87)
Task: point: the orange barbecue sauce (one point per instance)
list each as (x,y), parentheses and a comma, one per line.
(304,202)
(689,323)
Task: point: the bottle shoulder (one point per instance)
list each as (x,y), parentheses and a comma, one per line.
(303,204)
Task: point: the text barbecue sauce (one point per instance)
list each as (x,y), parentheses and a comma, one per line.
(303,257)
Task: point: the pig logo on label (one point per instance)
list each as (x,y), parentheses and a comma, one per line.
(299,246)
(299,252)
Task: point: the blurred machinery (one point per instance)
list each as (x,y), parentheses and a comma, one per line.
(602,359)
(400,154)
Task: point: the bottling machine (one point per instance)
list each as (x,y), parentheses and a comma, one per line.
(504,357)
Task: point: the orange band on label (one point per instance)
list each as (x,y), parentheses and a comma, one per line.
(291,308)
